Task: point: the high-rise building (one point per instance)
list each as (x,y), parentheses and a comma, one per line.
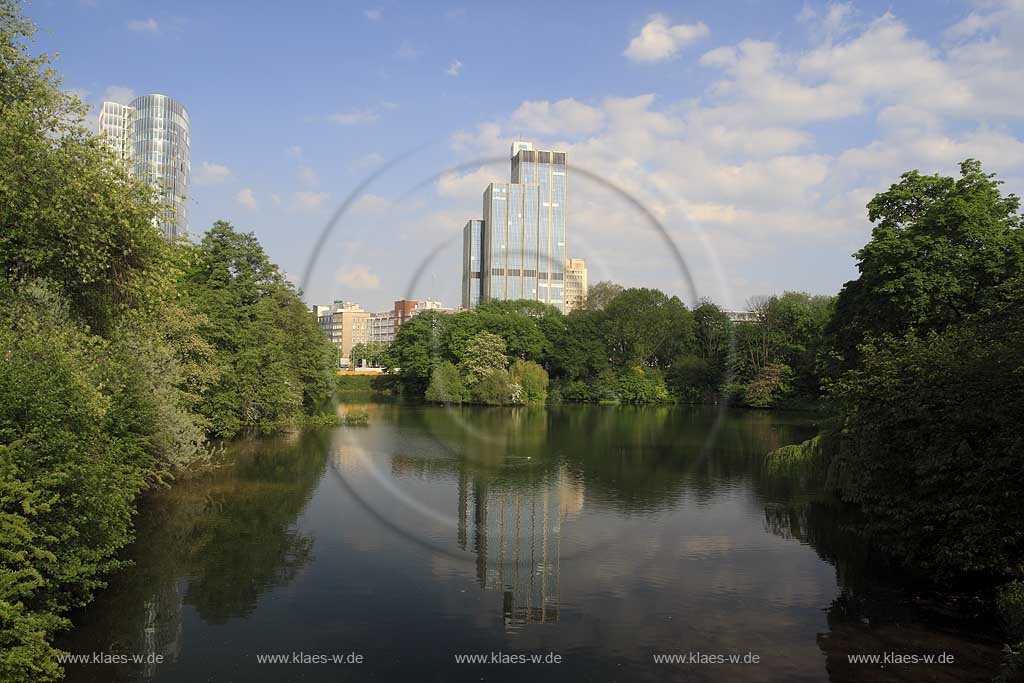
(153,134)
(575,284)
(521,248)
(472,253)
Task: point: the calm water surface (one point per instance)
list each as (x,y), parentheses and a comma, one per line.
(605,535)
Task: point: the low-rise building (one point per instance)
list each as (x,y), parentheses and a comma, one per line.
(345,324)
(384,325)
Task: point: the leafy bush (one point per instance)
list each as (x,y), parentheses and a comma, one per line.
(931,446)
(772,383)
(532,380)
(446,385)
(576,391)
(494,388)
(637,385)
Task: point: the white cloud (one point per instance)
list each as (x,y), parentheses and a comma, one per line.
(373,14)
(561,117)
(119,93)
(755,169)
(309,201)
(358,277)
(658,40)
(454,68)
(211,174)
(308,176)
(353,117)
(832,24)
(149,25)
(246,199)
(295,152)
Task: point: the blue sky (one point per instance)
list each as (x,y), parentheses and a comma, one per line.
(755,131)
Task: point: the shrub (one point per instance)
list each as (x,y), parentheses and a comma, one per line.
(446,385)
(532,380)
(494,388)
(772,382)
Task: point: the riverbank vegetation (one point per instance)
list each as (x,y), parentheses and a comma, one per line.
(628,346)
(924,377)
(121,353)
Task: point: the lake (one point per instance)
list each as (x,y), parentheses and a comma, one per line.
(593,539)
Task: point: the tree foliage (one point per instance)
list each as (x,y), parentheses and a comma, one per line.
(927,390)
(939,243)
(274,362)
(120,351)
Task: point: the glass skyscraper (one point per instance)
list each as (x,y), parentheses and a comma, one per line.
(521,250)
(472,241)
(153,135)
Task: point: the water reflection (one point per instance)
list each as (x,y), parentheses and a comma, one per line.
(213,542)
(606,534)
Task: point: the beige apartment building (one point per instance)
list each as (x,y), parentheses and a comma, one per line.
(345,324)
(575,284)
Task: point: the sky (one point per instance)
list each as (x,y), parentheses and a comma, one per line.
(746,137)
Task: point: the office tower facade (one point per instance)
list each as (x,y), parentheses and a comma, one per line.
(575,284)
(153,135)
(472,255)
(521,249)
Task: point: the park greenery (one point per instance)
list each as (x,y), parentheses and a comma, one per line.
(627,346)
(123,353)
(924,378)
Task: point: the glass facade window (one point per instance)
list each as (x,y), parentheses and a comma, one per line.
(153,135)
(522,235)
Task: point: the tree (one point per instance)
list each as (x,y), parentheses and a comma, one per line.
(274,361)
(531,379)
(646,327)
(485,353)
(69,212)
(601,294)
(930,445)
(937,245)
(101,366)
(418,346)
(493,388)
(446,385)
(373,354)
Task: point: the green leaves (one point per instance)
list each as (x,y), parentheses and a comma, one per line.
(938,244)
(273,362)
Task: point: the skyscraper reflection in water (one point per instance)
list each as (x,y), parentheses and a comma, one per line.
(517,540)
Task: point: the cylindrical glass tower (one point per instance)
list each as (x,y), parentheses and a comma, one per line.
(160,135)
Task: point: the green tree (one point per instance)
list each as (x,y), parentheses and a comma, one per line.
(446,385)
(531,380)
(373,354)
(418,346)
(931,448)
(576,345)
(493,388)
(938,244)
(485,353)
(274,362)
(646,327)
(68,212)
(601,294)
